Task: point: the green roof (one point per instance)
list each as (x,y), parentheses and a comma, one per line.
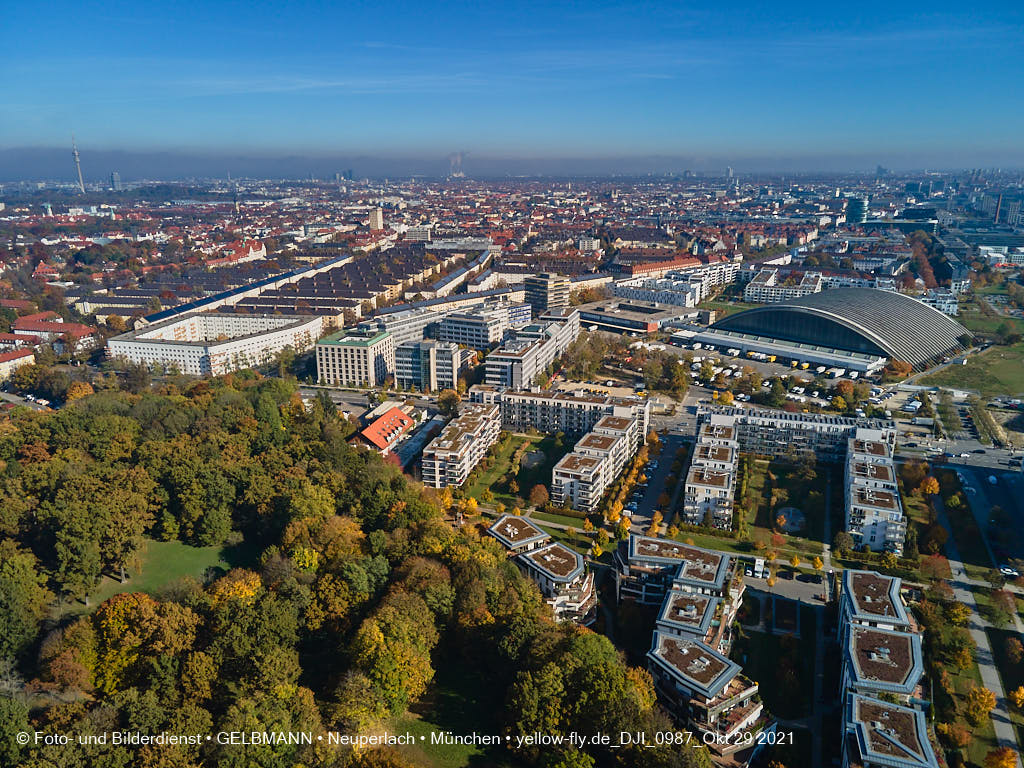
(348,339)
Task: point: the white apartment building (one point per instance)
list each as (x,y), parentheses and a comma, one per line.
(663,290)
(874,512)
(765,288)
(214,343)
(405,325)
(777,433)
(353,359)
(580,478)
(485,326)
(450,457)
(519,362)
(710,488)
(574,413)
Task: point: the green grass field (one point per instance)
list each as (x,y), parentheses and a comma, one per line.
(162,564)
(1010,672)
(497,478)
(724,308)
(996,371)
(456,702)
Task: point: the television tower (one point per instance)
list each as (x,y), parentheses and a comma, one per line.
(78,163)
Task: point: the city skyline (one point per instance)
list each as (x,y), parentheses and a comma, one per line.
(785,90)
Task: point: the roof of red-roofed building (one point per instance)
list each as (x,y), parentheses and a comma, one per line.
(385,431)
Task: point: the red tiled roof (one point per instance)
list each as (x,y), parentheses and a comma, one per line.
(15,355)
(384,431)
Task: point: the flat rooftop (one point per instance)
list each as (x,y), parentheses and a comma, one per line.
(712,478)
(873,497)
(514,531)
(689,609)
(874,594)
(717,432)
(597,442)
(870,448)
(703,566)
(882,656)
(890,732)
(616,423)
(869,470)
(694,663)
(718,453)
(578,463)
(556,560)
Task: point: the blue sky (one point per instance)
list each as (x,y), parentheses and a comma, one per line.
(515,79)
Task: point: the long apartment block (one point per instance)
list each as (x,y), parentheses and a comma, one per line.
(532,350)
(874,512)
(710,488)
(699,591)
(573,413)
(777,433)
(883,695)
(450,457)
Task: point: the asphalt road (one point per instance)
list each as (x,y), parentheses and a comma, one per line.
(656,480)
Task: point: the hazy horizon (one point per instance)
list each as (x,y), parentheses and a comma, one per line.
(793,87)
(56,164)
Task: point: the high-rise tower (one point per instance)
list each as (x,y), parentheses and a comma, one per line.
(78,164)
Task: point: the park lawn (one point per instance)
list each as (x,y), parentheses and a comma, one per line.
(455,702)
(807,496)
(996,371)
(492,478)
(496,477)
(581,542)
(963,680)
(162,564)
(988,609)
(1011,674)
(550,517)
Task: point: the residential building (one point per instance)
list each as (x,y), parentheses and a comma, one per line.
(406,325)
(647,568)
(573,413)
(874,511)
(777,433)
(580,478)
(13,360)
(214,343)
(766,288)
(878,734)
(428,365)
(479,328)
(376,219)
(547,291)
(450,457)
(882,693)
(704,691)
(559,572)
(532,350)
(710,485)
(355,359)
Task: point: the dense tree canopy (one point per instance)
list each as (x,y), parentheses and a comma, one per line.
(354,593)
